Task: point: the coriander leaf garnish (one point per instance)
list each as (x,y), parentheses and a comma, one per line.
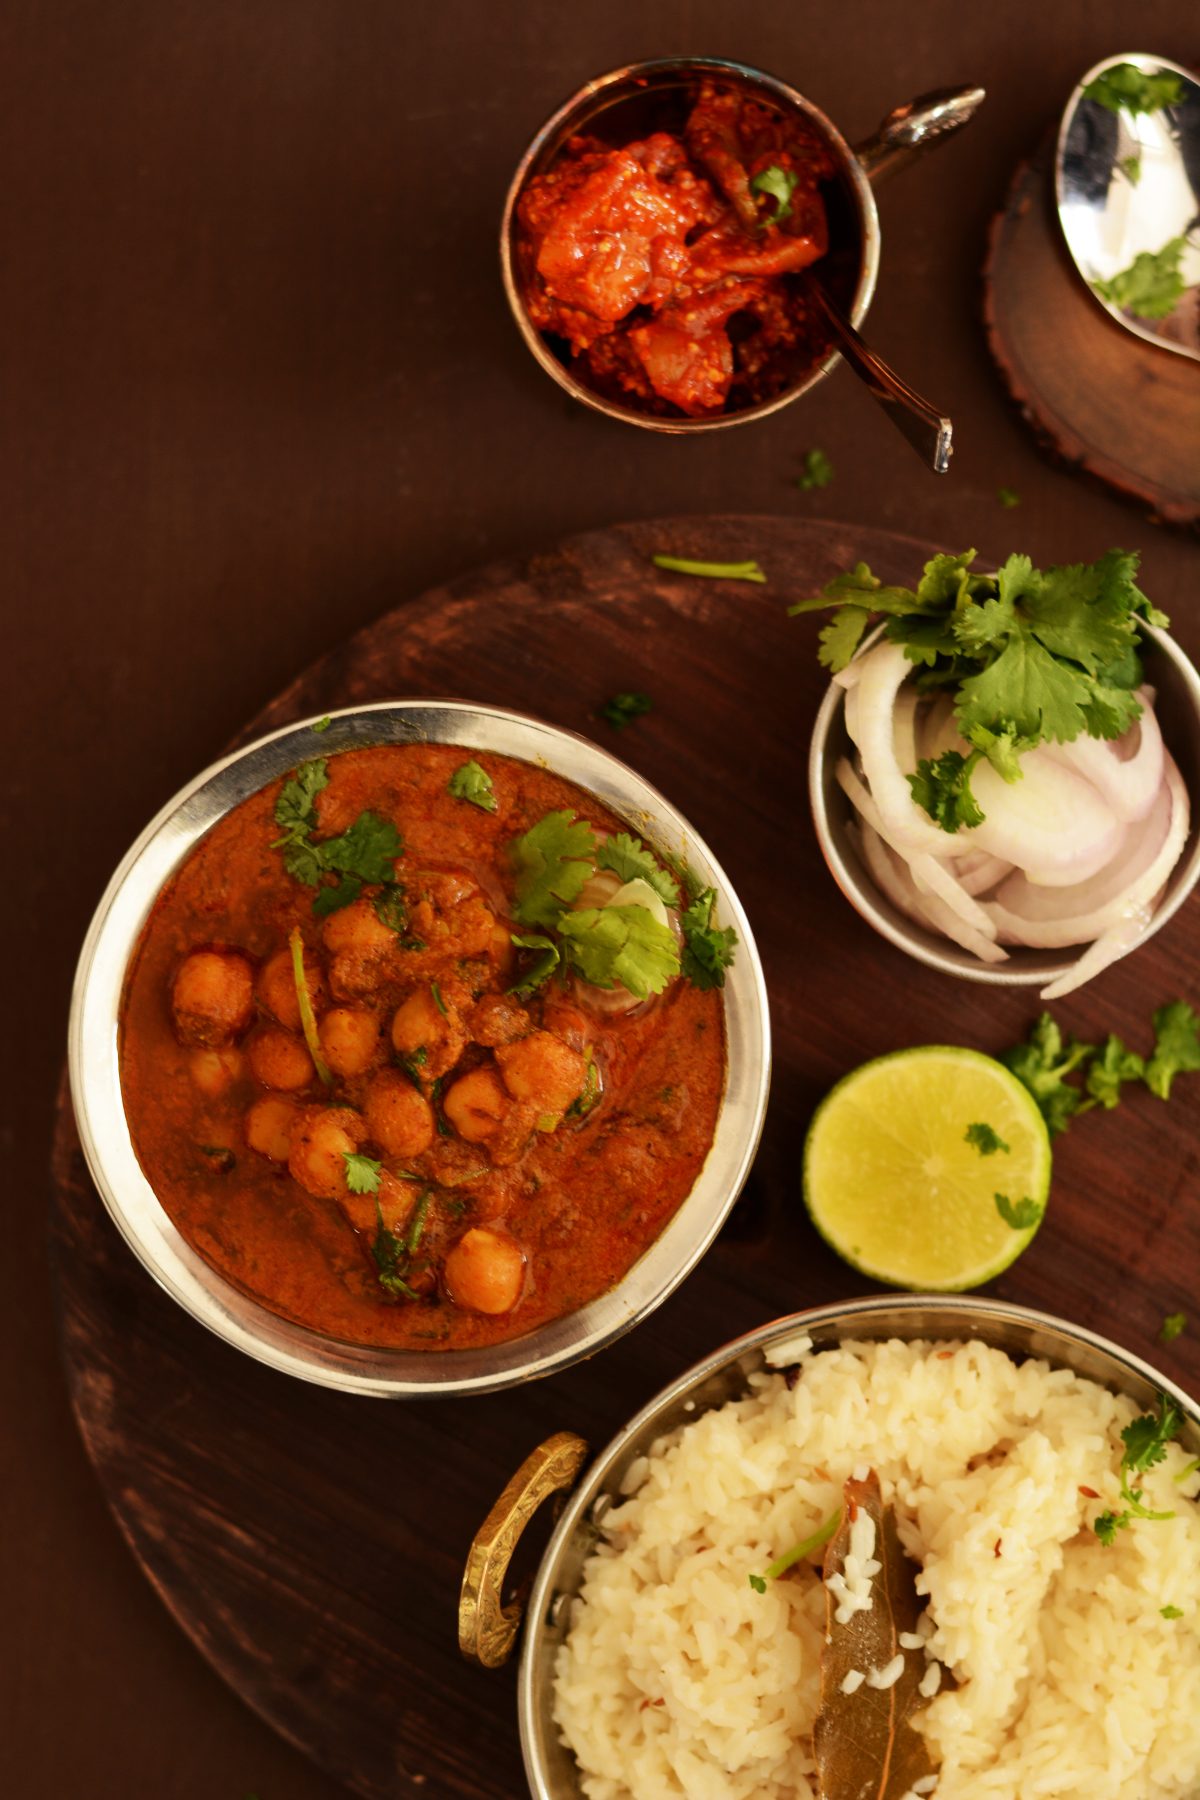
(583,1104)
(1109,1068)
(1173,1326)
(708,950)
(623,708)
(1024,1214)
(391,907)
(797,1553)
(1152,284)
(438,1001)
(779,184)
(1176,1047)
(943,788)
(629,858)
(365,852)
(540,969)
(620,946)
(1145,1441)
(1008,497)
(985,1139)
(472,783)
(1127,88)
(390,1253)
(362,1172)
(817,471)
(1171,1612)
(296,814)
(715,571)
(841,637)
(553,861)
(308,1018)
(1043,1064)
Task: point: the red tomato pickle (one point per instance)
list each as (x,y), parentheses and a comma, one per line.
(501,1083)
(662,266)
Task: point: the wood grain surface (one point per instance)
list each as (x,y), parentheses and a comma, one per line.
(312,1543)
(1098,397)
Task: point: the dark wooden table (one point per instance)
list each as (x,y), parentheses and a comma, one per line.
(259,387)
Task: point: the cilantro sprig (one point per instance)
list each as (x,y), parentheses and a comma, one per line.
(1046,1061)
(1145,1441)
(622,709)
(472,783)
(779,184)
(708,950)
(553,860)
(620,946)
(365,853)
(629,858)
(1030,656)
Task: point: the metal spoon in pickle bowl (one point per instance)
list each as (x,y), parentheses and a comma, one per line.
(1127,177)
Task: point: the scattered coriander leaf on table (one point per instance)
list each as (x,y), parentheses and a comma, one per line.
(1008,497)
(1109,1069)
(715,571)
(817,471)
(1176,1047)
(623,708)
(1173,1326)
(472,783)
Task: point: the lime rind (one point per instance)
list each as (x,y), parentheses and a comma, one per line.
(892,1185)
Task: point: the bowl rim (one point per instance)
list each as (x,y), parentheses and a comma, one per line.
(875,1316)
(543,142)
(145,1224)
(921,942)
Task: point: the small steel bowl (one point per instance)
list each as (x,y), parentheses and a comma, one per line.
(630,102)
(1168,669)
(144,1222)
(1021,1332)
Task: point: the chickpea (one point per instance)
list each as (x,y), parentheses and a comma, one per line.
(268,1126)
(279,1060)
(542,1069)
(485,1271)
(392,1204)
(277,987)
(214,1072)
(420,1024)
(349,1039)
(357,928)
(212,997)
(322,1138)
(399,1119)
(476,1105)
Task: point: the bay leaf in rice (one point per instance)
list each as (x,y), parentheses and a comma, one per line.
(864,1743)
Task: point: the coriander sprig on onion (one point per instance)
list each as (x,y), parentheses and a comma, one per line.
(1011,783)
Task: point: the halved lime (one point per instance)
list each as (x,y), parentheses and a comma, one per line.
(916,1163)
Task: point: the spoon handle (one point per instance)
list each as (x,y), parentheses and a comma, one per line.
(927,430)
(917,125)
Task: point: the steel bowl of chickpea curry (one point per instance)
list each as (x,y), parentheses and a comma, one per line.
(423,1048)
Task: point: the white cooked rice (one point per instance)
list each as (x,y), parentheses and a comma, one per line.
(679,1682)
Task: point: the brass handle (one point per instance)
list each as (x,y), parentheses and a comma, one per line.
(487,1628)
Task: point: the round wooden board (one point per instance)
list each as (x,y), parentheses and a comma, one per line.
(1099,398)
(312,1543)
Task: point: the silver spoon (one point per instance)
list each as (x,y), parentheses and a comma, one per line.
(928,431)
(1128,188)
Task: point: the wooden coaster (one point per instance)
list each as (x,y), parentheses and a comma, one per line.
(1099,398)
(312,1543)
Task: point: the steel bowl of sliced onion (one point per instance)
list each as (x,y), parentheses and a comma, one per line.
(1002,769)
